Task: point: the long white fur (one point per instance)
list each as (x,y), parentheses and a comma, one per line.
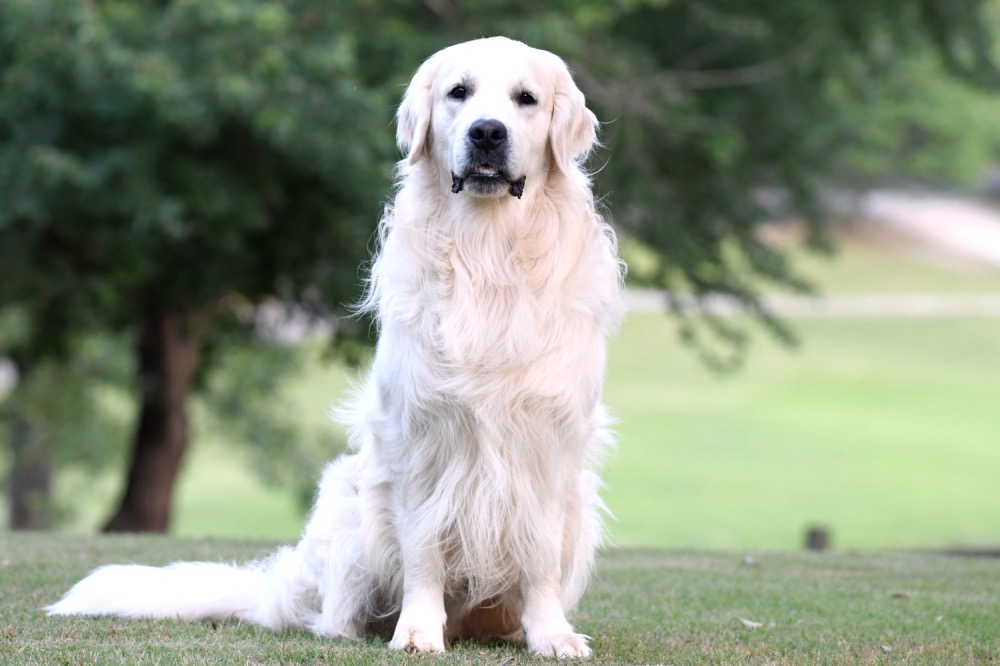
(479,429)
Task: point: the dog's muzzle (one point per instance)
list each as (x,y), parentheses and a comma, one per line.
(487,158)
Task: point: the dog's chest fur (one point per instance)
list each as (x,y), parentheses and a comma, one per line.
(505,294)
(489,370)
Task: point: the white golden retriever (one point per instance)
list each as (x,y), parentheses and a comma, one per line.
(470,506)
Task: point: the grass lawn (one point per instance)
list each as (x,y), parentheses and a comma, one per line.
(680,607)
(884,430)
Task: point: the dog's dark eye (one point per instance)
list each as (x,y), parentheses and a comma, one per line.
(458,92)
(526,99)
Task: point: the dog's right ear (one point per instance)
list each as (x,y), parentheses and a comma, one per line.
(413,118)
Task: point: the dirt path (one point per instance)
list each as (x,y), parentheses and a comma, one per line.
(867,306)
(950,226)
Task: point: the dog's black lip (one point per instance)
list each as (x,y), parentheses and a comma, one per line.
(516,185)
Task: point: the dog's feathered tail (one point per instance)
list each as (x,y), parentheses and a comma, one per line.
(316,585)
(272,592)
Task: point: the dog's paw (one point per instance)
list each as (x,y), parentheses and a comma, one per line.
(562,645)
(322,626)
(412,638)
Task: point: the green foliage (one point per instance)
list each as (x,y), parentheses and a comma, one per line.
(60,411)
(708,104)
(80,413)
(178,152)
(249,137)
(248,405)
(180,156)
(926,127)
(714,103)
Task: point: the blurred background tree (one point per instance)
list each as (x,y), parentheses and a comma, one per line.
(164,167)
(709,105)
(167,166)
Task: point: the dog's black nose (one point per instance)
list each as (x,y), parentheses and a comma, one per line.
(487,135)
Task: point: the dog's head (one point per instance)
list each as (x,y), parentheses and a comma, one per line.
(495,115)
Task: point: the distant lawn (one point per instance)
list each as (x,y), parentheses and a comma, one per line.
(886,431)
(644,607)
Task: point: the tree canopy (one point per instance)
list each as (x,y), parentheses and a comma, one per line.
(176,152)
(164,164)
(706,105)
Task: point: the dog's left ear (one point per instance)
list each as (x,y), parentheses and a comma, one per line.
(413,118)
(573,130)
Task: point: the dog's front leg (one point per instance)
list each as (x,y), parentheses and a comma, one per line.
(546,629)
(543,617)
(422,617)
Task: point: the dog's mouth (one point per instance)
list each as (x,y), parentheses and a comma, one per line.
(488,179)
(485,171)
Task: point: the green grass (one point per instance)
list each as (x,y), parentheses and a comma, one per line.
(884,430)
(644,607)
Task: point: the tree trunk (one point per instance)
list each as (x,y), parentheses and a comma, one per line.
(30,483)
(168,352)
